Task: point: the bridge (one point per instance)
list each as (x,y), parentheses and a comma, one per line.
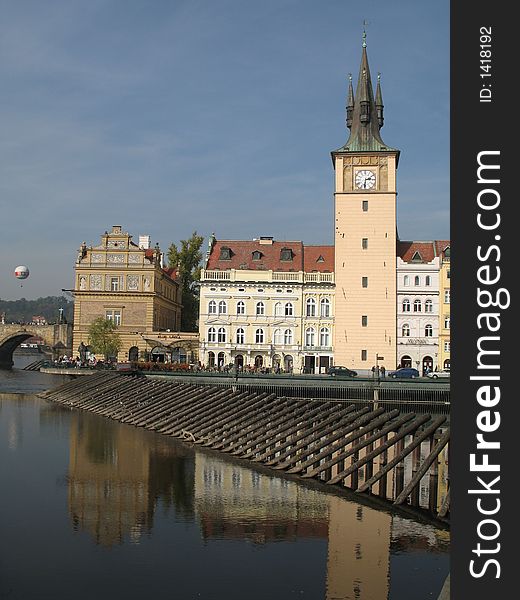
(11,336)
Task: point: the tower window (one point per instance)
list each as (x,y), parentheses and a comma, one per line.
(364,320)
(364,354)
(365,205)
(364,243)
(364,282)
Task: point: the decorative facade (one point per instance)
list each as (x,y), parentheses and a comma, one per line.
(126,283)
(444,302)
(267,304)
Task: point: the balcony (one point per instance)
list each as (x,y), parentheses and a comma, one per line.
(267,276)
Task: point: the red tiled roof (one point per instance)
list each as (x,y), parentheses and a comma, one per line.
(318,258)
(241,256)
(441,245)
(427,250)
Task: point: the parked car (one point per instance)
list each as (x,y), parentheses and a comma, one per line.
(341,372)
(436,374)
(405,372)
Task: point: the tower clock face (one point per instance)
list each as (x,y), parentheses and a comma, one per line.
(365,180)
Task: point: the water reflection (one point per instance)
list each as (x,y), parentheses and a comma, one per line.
(118,477)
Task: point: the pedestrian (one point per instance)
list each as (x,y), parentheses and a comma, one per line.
(383,370)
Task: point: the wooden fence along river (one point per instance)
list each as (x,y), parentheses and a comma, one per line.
(401,457)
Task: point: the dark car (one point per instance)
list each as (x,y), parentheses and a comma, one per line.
(341,372)
(405,372)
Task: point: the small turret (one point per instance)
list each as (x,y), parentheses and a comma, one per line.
(379,102)
(350,101)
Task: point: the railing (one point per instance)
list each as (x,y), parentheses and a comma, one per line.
(267,276)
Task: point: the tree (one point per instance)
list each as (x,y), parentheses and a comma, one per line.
(103,337)
(187,262)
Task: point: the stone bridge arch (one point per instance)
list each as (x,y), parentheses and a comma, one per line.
(11,336)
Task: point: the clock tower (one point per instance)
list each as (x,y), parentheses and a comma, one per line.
(365,233)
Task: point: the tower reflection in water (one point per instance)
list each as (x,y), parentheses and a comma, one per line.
(119,476)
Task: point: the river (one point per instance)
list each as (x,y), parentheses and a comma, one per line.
(92,508)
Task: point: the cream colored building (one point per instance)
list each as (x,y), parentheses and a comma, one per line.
(127,283)
(365,234)
(444,313)
(267,304)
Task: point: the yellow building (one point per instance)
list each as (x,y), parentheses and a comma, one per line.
(444,313)
(365,233)
(127,283)
(267,304)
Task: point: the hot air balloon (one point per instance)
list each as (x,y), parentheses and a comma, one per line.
(21,272)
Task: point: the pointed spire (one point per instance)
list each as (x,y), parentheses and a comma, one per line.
(364,112)
(379,102)
(350,101)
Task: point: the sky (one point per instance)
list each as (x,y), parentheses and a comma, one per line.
(173,116)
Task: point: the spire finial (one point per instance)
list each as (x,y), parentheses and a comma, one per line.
(365,23)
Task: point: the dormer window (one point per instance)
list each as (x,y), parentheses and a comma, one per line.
(417,257)
(320,259)
(286,254)
(257,255)
(447,251)
(225,253)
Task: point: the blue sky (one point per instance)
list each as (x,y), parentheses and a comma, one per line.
(169,116)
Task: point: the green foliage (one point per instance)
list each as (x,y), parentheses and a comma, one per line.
(23,310)
(103,337)
(187,261)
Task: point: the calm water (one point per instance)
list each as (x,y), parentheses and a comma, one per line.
(95,509)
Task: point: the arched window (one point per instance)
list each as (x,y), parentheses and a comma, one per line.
(446,296)
(405,330)
(241,307)
(278,337)
(222,307)
(310,336)
(406,280)
(325,308)
(240,336)
(428,331)
(259,336)
(310,307)
(211,359)
(212,334)
(288,309)
(447,322)
(406,305)
(417,306)
(324,336)
(428,280)
(260,308)
(417,280)
(278,309)
(221,334)
(287,337)
(212,307)
(428,306)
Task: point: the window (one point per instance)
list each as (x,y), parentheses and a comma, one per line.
(447,346)
(325,307)
(417,280)
(446,296)
(212,307)
(417,306)
(286,254)
(212,335)
(257,255)
(260,308)
(310,306)
(448,273)
(241,307)
(405,330)
(225,253)
(222,307)
(428,306)
(364,243)
(278,337)
(240,336)
(259,336)
(406,305)
(324,336)
(364,354)
(364,282)
(428,331)
(309,336)
(278,309)
(287,336)
(114,284)
(113,315)
(364,320)
(406,280)
(289,309)
(428,280)
(447,322)
(365,205)
(221,334)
